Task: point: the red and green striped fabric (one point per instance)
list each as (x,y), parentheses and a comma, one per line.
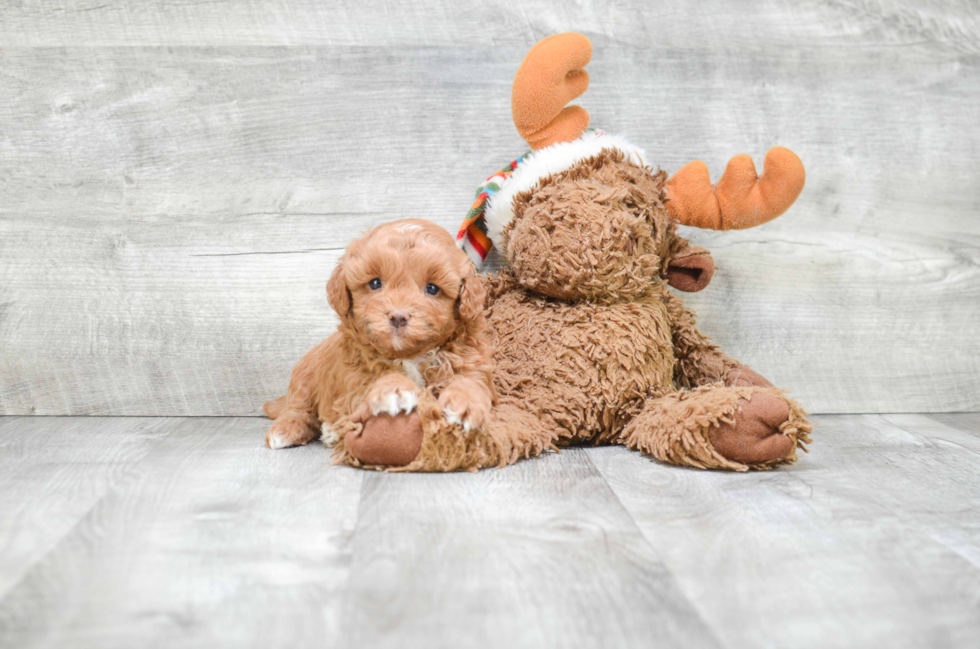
(472,236)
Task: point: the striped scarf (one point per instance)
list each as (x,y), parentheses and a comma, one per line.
(472,236)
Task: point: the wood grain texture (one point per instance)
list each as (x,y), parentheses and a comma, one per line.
(152,322)
(53,472)
(211,540)
(131,532)
(871,540)
(373,23)
(967,422)
(268,134)
(536,555)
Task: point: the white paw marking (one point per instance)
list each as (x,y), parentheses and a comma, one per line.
(454,417)
(276,441)
(328,435)
(395,402)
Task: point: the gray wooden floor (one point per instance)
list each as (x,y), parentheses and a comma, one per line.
(143,532)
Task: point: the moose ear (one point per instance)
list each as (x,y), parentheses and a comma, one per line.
(337,292)
(691,269)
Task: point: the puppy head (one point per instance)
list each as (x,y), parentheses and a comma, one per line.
(404,288)
(600,231)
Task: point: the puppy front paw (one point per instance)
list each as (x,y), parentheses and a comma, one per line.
(392,396)
(328,435)
(459,406)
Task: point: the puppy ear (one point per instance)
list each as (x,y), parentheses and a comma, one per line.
(690,269)
(472,296)
(337,292)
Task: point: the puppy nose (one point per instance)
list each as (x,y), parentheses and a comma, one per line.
(398,319)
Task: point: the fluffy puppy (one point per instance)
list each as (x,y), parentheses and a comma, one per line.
(411,319)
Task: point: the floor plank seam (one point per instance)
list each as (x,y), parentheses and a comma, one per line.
(639,531)
(130,474)
(884,417)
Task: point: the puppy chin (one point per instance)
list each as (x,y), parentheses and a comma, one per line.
(401,345)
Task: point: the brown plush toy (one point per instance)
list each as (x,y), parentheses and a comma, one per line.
(590,344)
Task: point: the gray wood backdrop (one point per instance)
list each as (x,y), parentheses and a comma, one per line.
(177,180)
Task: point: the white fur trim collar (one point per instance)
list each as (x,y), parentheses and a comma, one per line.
(545,162)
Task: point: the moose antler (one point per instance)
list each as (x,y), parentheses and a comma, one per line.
(742,198)
(550,76)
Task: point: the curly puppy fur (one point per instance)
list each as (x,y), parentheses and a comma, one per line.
(411,321)
(590,345)
(511,434)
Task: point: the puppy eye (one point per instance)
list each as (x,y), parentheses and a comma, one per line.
(375,284)
(432,289)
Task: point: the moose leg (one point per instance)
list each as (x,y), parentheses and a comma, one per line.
(719,427)
(425,441)
(699,361)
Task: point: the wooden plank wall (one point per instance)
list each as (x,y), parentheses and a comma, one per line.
(177,180)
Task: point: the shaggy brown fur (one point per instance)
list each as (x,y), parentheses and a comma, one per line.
(397,336)
(590,341)
(511,434)
(591,346)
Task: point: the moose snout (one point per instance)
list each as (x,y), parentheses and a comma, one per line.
(398,319)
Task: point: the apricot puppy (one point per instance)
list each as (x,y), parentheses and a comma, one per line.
(411,319)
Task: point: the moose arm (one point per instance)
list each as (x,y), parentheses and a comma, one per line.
(699,361)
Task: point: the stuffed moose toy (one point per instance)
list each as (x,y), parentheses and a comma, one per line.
(590,345)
